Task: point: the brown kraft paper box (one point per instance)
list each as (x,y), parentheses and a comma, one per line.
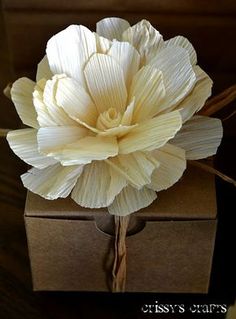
(169,244)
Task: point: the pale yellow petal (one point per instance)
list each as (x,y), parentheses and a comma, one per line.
(43,116)
(106,83)
(198,96)
(97,186)
(112,28)
(145,38)
(127,57)
(172,165)
(199,137)
(118,131)
(87,149)
(22,97)
(184,43)
(149,91)
(178,75)
(69,50)
(52,182)
(59,116)
(43,70)
(75,101)
(52,139)
(24,144)
(151,134)
(130,200)
(103,44)
(117,183)
(89,127)
(128,114)
(136,168)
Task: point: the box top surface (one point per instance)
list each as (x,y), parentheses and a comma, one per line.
(193,197)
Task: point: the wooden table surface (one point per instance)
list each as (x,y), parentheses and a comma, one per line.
(16,297)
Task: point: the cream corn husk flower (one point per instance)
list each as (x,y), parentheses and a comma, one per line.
(111,116)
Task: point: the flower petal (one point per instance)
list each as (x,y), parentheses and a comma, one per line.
(184,43)
(52,139)
(24,144)
(52,182)
(136,168)
(127,57)
(97,186)
(59,116)
(87,150)
(172,165)
(118,131)
(106,83)
(146,39)
(151,134)
(69,50)
(75,101)
(199,137)
(128,114)
(43,70)
(129,200)
(43,116)
(178,75)
(103,44)
(22,97)
(198,96)
(149,91)
(112,28)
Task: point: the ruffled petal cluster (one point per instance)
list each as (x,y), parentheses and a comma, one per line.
(111,116)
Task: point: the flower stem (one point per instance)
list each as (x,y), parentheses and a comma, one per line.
(119,265)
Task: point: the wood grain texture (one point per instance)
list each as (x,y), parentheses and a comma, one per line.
(161,6)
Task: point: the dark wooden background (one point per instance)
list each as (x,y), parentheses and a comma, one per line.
(25,26)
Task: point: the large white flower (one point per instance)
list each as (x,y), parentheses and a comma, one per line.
(111,116)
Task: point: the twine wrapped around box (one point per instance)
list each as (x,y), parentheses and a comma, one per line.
(112,122)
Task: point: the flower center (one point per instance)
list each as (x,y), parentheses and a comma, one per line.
(109,119)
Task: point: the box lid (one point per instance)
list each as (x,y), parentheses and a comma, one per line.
(193,197)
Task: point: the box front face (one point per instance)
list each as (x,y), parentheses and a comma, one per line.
(165,256)
(171,251)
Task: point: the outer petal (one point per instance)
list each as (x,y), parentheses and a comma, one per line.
(75,101)
(97,186)
(22,97)
(130,200)
(112,28)
(106,83)
(24,144)
(59,116)
(178,75)
(149,91)
(103,44)
(199,137)
(69,50)
(146,39)
(52,139)
(184,43)
(43,70)
(136,168)
(87,150)
(151,134)
(127,57)
(197,98)
(43,116)
(52,182)
(172,165)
